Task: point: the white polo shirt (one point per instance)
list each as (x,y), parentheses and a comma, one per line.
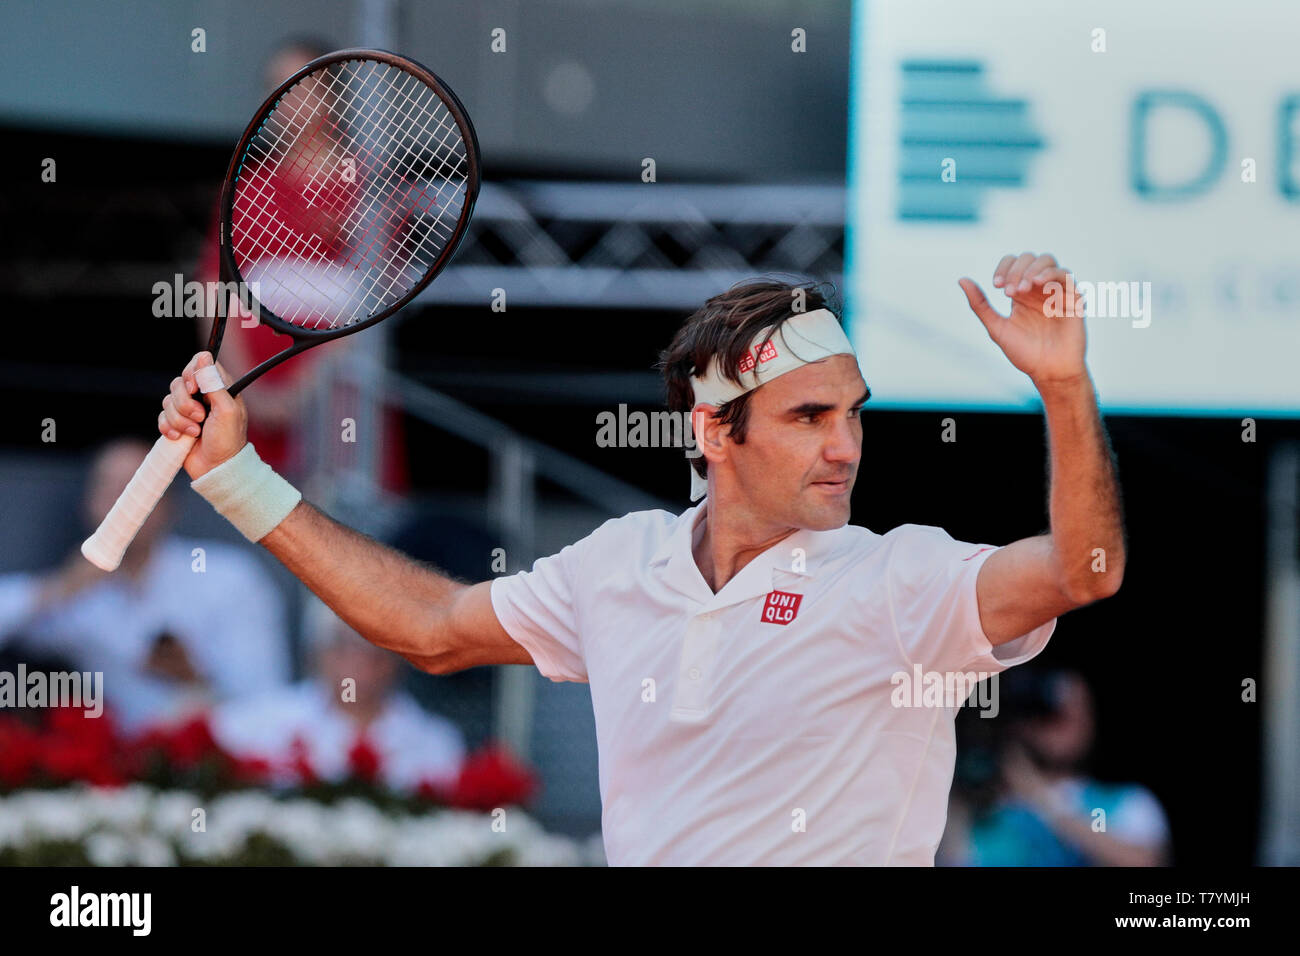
(756,726)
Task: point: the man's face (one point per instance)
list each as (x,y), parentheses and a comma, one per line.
(803,444)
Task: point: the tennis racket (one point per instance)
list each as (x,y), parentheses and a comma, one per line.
(348,192)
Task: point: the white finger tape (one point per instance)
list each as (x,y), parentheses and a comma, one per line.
(209,379)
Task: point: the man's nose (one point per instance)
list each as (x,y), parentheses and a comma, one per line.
(845,444)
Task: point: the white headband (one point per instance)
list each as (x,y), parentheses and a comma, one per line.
(803,338)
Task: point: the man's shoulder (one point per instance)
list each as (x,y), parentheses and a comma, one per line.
(924,537)
(921,551)
(649,526)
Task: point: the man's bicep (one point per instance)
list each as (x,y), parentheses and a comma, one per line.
(1018,589)
(475,636)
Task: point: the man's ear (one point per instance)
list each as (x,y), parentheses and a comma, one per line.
(708,432)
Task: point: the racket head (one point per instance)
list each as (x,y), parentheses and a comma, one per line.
(348,192)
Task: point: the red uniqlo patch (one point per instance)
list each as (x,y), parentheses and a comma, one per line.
(746,364)
(766,351)
(781,607)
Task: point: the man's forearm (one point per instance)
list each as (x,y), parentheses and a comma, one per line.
(1084,504)
(391,600)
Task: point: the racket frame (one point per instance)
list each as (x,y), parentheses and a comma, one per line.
(107,545)
(229,272)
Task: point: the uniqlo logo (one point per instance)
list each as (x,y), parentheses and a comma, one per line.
(781,607)
(746,364)
(767,351)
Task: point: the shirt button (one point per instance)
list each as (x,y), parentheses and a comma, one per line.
(694,673)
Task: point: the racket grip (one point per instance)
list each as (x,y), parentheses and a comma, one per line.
(105,547)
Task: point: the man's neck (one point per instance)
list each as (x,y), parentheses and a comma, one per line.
(721,547)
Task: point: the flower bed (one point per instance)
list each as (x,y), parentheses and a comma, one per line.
(139,825)
(73,792)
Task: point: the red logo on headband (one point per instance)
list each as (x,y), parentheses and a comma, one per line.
(746,364)
(767,351)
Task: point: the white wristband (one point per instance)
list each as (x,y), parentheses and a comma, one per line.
(248,493)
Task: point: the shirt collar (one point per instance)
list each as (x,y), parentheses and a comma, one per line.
(778,566)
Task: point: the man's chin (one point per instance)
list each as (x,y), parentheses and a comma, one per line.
(827,516)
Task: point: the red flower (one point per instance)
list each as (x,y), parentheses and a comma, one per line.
(75,747)
(300,764)
(254,770)
(434,791)
(363,760)
(20,750)
(490,778)
(66,759)
(189,743)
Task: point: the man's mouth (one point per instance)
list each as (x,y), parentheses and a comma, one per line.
(841,485)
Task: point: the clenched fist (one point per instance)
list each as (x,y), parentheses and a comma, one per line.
(221,431)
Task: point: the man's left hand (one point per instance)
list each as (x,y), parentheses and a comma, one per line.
(1044,335)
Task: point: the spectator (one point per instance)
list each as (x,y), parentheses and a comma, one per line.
(1048,806)
(180,624)
(351,699)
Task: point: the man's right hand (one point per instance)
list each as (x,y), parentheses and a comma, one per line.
(223,434)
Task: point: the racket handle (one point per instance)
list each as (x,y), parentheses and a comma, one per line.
(105,547)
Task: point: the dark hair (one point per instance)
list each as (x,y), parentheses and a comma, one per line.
(725,326)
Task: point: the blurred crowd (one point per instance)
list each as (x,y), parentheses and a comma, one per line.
(1024,793)
(190,630)
(194,627)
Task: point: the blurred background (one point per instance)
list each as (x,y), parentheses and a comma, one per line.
(639,157)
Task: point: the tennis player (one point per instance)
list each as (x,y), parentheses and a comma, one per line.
(749,659)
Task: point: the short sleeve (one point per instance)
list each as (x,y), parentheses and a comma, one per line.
(931,585)
(537,609)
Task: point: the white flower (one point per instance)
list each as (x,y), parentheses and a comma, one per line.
(107,849)
(171,813)
(53,815)
(151,851)
(360,831)
(138,825)
(124,808)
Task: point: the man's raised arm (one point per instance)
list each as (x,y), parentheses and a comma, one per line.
(439,624)
(1081,560)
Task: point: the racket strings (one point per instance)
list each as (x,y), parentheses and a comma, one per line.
(366,207)
(368,154)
